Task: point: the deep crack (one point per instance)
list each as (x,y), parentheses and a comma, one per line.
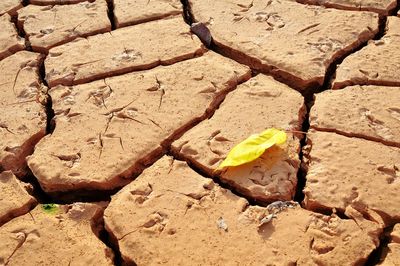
(111,15)
(377,255)
(21,31)
(50,125)
(302,172)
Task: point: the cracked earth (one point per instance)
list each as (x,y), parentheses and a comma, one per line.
(115,115)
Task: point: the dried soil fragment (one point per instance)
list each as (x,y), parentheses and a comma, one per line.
(106,130)
(353,172)
(393,253)
(14,200)
(380,6)
(55,2)
(10,42)
(50,26)
(121,51)
(293,41)
(370,112)
(171,215)
(23,117)
(254,106)
(376,64)
(9,6)
(138,11)
(63,236)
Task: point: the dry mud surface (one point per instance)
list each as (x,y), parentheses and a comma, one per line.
(10,42)
(156,222)
(295,42)
(380,6)
(49,26)
(23,116)
(115,115)
(9,6)
(377,63)
(270,178)
(139,11)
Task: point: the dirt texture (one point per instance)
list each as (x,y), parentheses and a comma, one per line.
(376,64)
(139,11)
(10,42)
(383,7)
(15,200)
(345,171)
(124,121)
(55,235)
(292,41)
(121,51)
(49,26)
(23,117)
(370,112)
(9,6)
(156,222)
(249,111)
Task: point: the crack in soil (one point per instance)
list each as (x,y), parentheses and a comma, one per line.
(111,15)
(359,136)
(330,75)
(396,9)
(50,125)
(216,180)
(302,172)
(21,30)
(377,255)
(93,196)
(309,101)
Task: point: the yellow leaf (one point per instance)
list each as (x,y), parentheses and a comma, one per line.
(253,147)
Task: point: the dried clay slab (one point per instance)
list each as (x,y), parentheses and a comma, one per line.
(10,42)
(139,11)
(121,51)
(55,235)
(383,7)
(254,106)
(49,26)
(107,130)
(345,171)
(23,116)
(392,254)
(10,6)
(376,64)
(56,2)
(14,200)
(370,112)
(171,215)
(295,42)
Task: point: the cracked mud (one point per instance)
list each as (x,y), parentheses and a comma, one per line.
(248,110)
(23,116)
(115,115)
(294,42)
(49,26)
(375,64)
(154,221)
(124,122)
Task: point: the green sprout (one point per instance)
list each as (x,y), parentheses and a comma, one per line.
(50,208)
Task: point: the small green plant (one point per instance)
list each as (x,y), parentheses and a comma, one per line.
(50,208)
